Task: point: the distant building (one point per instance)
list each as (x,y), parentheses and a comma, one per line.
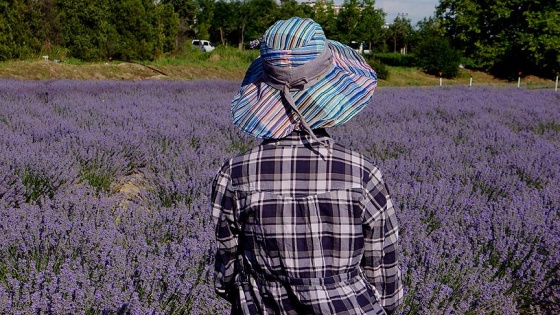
(312,4)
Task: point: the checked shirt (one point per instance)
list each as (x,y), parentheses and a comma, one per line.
(305,227)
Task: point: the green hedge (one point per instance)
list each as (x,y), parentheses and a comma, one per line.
(396,59)
(378,66)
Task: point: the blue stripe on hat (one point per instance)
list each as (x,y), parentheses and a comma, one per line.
(293,42)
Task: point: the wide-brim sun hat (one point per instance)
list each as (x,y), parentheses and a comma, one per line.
(301,81)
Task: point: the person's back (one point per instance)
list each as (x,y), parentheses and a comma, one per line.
(304,226)
(304,216)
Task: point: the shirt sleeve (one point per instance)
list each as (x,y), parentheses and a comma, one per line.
(226,233)
(380,262)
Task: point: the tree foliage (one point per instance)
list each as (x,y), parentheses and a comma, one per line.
(504,37)
(500,36)
(325,15)
(401,33)
(432,50)
(348,21)
(87,31)
(436,56)
(371,25)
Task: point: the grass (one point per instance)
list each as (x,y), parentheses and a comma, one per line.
(223,63)
(407,76)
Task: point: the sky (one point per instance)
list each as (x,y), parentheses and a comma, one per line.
(416,9)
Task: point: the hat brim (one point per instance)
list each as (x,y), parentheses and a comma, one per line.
(259,109)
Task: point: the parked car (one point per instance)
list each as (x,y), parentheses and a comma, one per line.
(204,45)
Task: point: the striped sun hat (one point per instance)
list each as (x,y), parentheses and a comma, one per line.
(301,81)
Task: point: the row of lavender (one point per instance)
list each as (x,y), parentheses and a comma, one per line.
(475,174)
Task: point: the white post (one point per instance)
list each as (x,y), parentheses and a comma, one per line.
(470,82)
(556,88)
(440,81)
(518,82)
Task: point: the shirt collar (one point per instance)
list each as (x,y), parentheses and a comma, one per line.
(301,137)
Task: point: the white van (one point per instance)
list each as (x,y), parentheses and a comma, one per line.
(204,45)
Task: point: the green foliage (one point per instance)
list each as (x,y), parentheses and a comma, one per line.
(204,17)
(400,33)
(543,38)
(166,28)
(371,25)
(324,15)
(260,15)
(289,8)
(357,21)
(396,59)
(17,39)
(97,177)
(505,37)
(379,67)
(128,30)
(83,26)
(436,55)
(348,20)
(224,23)
(37,185)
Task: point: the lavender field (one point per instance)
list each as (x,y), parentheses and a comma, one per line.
(104,191)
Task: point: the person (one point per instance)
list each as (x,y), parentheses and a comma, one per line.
(303,224)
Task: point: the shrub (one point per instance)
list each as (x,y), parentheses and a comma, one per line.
(378,66)
(396,59)
(436,55)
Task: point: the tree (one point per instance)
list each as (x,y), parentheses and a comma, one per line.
(9,17)
(542,40)
(186,11)
(86,28)
(435,54)
(371,24)
(504,37)
(290,8)
(224,24)
(253,18)
(242,10)
(401,32)
(325,15)
(133,22)
(348,22)
(429,27)
(425,29)
(43,20)
(17,39)
(166,28)
(204,18)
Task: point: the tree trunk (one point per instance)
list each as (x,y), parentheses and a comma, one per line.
(242,41)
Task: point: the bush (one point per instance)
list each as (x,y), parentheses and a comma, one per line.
(379,67)
(436,55)
(396,59)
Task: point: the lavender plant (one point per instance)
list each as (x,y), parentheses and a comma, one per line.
(104,195)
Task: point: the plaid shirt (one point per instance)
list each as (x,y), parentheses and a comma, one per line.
(305,229)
